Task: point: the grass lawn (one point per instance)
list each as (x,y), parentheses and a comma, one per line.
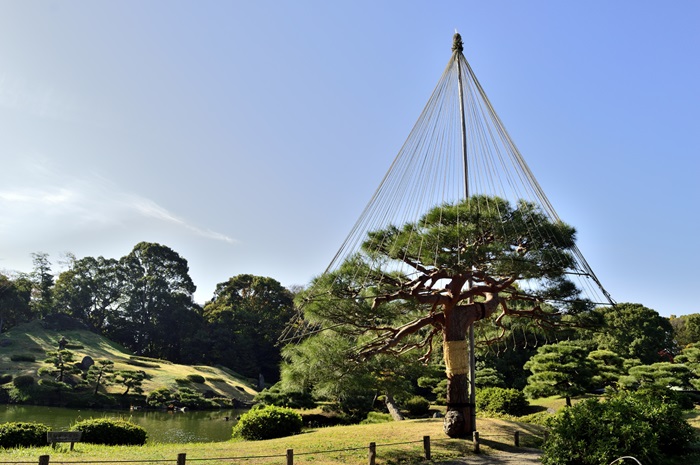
(396,442)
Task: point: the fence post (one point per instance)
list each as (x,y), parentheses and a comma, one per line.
(516,438)
(372,453)
(290,456)
(475,438)
(43,460)
(181,459)
(426,447)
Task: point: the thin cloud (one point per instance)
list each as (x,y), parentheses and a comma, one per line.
(85,205)
(151,209)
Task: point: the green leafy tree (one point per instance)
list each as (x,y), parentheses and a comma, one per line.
(157,315)
(562,369)
(246,318)
(686,329)
(15,297)
(61,363)
(90,290)
(634,331)
(466,262)
(42,277)
(101,374)
(131,380)
(609,368)
(322,365)
(690,357)
(489,377)
(662,374)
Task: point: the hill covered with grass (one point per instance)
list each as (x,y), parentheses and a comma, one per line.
(24,349)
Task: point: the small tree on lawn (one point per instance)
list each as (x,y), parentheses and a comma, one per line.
(101,373)
(559,369)
(130,380)
(609,368)
(61,361)
(662,374)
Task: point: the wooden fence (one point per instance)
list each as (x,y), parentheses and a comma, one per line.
(181,458)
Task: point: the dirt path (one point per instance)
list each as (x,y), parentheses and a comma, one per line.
(524,456)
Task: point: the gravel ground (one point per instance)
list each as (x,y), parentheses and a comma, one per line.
(524,456)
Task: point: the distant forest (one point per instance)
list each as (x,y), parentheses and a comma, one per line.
(144,301)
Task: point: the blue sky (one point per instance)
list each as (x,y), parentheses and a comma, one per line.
(248,136)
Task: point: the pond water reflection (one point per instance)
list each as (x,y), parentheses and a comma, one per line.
(162,426)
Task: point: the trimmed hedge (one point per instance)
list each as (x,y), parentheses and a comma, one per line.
(111,432)
(22,434)
(195,378)
(23,381)
(417,406)
(501,400)
(268,422)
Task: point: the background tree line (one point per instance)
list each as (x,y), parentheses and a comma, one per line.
(144,301)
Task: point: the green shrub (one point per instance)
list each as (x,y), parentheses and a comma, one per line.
(53,384)
(275,395)
(5,378)
(23,358)
(195,378)
(376,417)
(593,432)
(111,432)
(159,397)
(267,423)
(192,398)
(23,435)
(501,400)
(150,359)
(538,418)
(142,364)
(23,381)
(417,406)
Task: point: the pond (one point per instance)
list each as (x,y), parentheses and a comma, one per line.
(162,426)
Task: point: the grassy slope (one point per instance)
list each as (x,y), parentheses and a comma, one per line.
(34,339)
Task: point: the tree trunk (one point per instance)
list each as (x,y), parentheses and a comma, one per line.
(457,423)
(392,407)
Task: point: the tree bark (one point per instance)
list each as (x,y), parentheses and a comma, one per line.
(392,407)
(457,422)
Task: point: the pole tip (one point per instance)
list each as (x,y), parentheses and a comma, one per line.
(457,45)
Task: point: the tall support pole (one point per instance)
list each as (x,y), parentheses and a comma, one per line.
(457,48)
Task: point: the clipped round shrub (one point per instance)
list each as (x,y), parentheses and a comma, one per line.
(593,432)
(23,358)
(159,397)
(267,423)
(23,381)
(195,378)
(417,406)
(275,395)
(22,434)
(5,378)
(501,400)
(111,432)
